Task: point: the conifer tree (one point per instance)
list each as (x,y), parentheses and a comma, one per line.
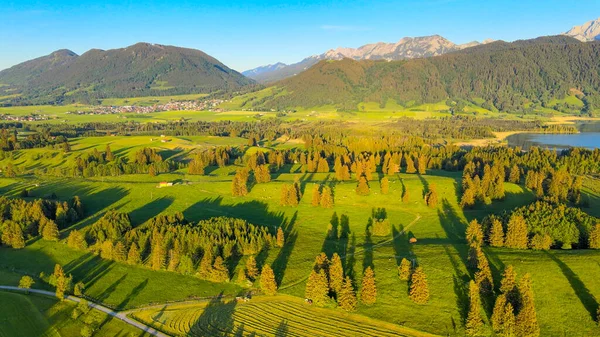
(134,256)
(158,255)
(474,323)
(322,262)
(496,238)
(242,279)
(280,237)
(119,253)
(76,240)
(483,276)
(594,239)
(26,282)
(78,289)
(467,199)
(368,291)
(50,231)
(515,174)
(267,280)
(317,287)
(106,250)
(316,196)
(385,185)
(508,286)
(219,272)
(108,155)
(474,233)
(404,269)
(363,186)
(526,320)
(62,282)
(206,263)
(405,196)
(419,289)
(186,265)
(516,233)
(410,164)
(346,296)
(251,269)
(431,198)
(497,318)
(326,197)
(152,171)
(336,273)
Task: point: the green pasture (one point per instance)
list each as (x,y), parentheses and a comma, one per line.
(37,315)
(279,315)
(440,248)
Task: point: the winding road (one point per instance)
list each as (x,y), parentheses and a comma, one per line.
(120,315)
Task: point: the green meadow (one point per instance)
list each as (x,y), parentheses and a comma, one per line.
(440,249)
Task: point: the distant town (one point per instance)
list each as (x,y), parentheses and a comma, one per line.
(208,105)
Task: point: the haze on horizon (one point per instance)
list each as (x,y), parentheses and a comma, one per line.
(247,34)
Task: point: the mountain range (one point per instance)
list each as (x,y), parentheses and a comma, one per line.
(406,48)
(589,31)
(142,69)
(498,76)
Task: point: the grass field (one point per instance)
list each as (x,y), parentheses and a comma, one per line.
(34,315)
(264,316)
(440,249)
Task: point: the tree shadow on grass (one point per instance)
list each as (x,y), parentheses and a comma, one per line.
(132,295)
(216,319)
(255,212)
(368,247)
(149,210)
(282,329)
(582,292)
(283,257)
(88,268)
(110,289)
(402,248)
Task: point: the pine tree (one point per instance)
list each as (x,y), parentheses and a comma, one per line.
(106,250)
(251,269)
(119,253)
(134,256)
(336,273)
(474,234)
(242,279)
(508,286)
(467,199)
(326,197)
(385,185)
(497,318)
(317,287)
(594,239)
(419,289)
(515,175)
(219,272)
(76,240)
(346,296)
(322,262)
(363,186)
(405,196)
(404,269)
(108,155)
(368,291)
(158,254)
(61,281)
(205,266)
(431,198)
(26,282)
(483,276)
(152,171)
(267,280)
(316,196)
(280,237)
(516,233)
(496,238)
(410,165)
(526,320)
(50,231)
(474,323)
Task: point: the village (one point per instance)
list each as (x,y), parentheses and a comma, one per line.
(24,118)
(208,105)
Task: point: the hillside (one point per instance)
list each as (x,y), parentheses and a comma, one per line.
(405,48)
(140,70)
(505,76)
(589,31)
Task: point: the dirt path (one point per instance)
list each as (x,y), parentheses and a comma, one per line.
(120,315)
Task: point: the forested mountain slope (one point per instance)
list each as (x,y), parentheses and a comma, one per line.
(505,76)
(139,70)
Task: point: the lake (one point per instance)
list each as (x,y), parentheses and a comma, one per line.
(589,137)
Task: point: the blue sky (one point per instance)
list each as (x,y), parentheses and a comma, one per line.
(246,34)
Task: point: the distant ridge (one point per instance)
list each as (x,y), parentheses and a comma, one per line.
(139,70)
(405,48)
(589,31)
